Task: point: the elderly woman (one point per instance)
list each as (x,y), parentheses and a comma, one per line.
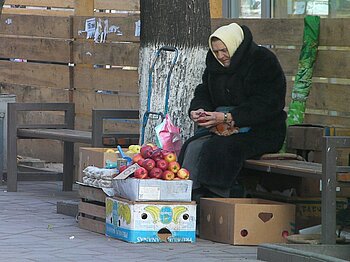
(238,108)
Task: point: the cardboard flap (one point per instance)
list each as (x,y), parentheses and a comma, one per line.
(127,172)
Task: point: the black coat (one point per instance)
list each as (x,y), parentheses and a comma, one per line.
(255,85)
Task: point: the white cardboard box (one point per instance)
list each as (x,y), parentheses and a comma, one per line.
(137,222)
(153,189)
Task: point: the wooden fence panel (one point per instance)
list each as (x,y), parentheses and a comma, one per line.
(38,26)
(115,79)
(119,54)
(290,31)
(85,101)
(43,3)
(124,27)
(35,74)
(120,5)
(38,49)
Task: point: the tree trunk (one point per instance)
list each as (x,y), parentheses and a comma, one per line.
(1,5)
(184,24)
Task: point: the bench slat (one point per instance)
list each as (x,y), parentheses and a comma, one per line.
(287,167)
(68,135)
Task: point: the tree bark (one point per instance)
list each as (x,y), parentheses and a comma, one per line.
(1,5)
(184,24)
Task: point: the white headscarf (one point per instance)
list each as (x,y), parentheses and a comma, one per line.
(231,35)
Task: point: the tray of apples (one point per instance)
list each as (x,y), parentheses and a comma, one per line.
(156,163)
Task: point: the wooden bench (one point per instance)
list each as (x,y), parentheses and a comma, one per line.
(326,172)
(63,132)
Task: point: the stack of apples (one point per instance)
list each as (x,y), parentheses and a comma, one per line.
(157,163)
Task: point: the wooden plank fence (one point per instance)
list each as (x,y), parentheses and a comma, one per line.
(62,64)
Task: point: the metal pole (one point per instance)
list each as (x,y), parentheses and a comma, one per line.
(2,117)
(266,9)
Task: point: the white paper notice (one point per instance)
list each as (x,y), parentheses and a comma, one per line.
(90,27)
(137,28)
(149,192)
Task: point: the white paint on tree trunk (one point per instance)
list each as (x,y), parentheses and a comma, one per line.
(186,75)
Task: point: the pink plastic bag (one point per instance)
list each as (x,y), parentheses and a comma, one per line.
(168,136)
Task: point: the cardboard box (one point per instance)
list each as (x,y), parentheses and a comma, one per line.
(93,156)
(307,209)
(245,221)
(153,189)
(137,222)
(311,206)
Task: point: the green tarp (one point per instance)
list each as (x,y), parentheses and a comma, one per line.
(303,78)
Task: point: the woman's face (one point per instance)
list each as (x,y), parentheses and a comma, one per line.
(221,52)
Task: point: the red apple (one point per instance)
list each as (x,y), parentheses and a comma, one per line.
(137,157)
(146,151)
(168,175)
(183,173)
(169,156)
(174,166)
(122,168)
(141,173)
(157,154)
(156,173)
(154,147)
(162,164)
(149,164)
(140,161)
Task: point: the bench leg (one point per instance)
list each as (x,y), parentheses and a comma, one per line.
(11,152)
(68,166)
(328,208)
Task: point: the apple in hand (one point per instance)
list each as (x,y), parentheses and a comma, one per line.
(141,173)
(156,173)
(174,167)
(149,164)
(183,173)
(146,151)
(137,157)
(162,164)
(169,156)
(168,175)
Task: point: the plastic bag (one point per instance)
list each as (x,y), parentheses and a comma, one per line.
(168,136)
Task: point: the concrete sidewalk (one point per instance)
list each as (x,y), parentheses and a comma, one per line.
(31,230)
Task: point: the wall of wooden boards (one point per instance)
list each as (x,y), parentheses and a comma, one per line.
(63,65)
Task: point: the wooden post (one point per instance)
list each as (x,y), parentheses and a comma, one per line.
(84,7)
(216,8)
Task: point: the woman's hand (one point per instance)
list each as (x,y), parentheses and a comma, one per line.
(210,119)
(197,115)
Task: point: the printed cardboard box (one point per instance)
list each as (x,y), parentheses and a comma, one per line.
(245,221)
(137,222)
(153,189)
(99,157)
